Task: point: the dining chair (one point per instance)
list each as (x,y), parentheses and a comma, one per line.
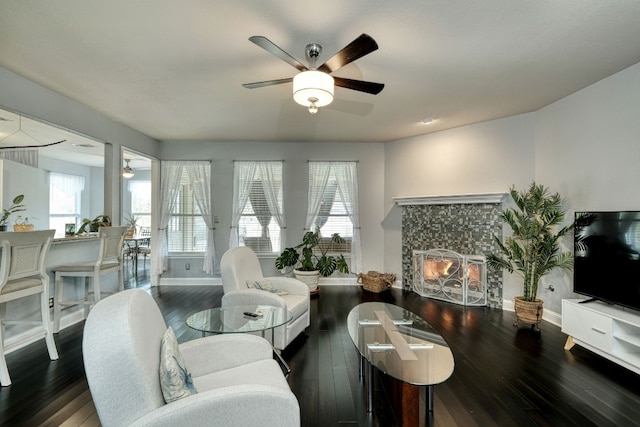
(22,274)
(144,247)
(109,260)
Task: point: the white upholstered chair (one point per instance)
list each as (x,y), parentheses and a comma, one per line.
(22,274)
(237,380)
(109,261)
(241,265)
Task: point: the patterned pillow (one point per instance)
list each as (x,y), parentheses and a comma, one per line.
(262,284)
(175,379)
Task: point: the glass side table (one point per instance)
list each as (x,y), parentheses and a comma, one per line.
(232,320)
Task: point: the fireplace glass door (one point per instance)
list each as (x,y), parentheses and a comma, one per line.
(447,275)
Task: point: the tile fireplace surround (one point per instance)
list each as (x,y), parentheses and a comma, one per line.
(462,223)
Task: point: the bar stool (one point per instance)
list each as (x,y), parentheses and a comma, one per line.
(22,274)
(109,260)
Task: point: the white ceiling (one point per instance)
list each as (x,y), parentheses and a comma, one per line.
(17,130)
(173,69)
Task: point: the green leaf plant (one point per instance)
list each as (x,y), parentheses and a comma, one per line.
(304,258)
(533,249)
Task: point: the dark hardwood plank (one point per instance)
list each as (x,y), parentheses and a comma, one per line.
(504,376)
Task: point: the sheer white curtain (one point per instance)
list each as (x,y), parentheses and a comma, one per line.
(243,173)
(347,178)
(170,174)
(200,176)
(272,185)
(318,178)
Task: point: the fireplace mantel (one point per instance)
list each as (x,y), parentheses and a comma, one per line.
(451,199)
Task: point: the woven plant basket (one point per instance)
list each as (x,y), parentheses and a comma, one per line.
(528,312)
(374,281)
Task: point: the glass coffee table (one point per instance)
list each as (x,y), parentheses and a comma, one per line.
(400,344)
(233,320)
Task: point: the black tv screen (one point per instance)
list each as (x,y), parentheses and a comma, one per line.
(607,256)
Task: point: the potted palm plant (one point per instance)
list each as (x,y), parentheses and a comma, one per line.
(533,249)
(309,263)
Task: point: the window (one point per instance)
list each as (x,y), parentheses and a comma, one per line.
(333,212)
(65,197)
(141,202)
(333,206)
(186,231)
(257,206)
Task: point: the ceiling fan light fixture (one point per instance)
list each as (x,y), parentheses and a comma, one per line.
(313,89)
(127,172)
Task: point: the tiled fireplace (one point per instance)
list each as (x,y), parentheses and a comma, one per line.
(462,223)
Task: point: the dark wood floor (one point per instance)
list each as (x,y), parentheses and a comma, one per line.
(503,376)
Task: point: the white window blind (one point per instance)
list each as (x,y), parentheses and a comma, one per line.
(258,225)
(186,231)
(65,197)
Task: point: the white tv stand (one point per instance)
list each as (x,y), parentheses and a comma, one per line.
(611,331)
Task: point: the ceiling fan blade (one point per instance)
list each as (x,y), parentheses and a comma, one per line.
(271,47)
(358,48)
(359,85)
(267,83)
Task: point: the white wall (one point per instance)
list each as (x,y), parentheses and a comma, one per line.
(370,157)
(588,149)
(21,95)
(486,157)
(585,146)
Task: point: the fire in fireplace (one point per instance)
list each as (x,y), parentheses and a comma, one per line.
(447,275)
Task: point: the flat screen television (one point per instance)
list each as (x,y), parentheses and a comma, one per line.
(607,257)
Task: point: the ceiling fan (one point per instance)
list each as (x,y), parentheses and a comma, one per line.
(313,86)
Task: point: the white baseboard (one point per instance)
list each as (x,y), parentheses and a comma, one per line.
(548,315)
(190,281)
(216,281)
(338,281)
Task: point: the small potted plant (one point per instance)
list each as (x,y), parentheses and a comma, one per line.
(309,264)
(93,225)
(23,223)
(131,221)
(533,249)
(16,206)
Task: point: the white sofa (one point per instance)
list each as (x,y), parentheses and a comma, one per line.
(238,382)
(240,265)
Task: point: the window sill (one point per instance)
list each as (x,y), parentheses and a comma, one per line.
(186,255)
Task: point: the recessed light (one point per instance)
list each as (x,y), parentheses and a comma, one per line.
(426,120)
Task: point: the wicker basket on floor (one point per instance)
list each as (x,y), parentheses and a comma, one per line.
(374,281)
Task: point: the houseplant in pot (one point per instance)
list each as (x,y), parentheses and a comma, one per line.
(310,259)
(92,225)
(16,206)
(23,223)
(131,221)
(533,249)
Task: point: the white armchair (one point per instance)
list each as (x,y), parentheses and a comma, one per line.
(238,382)
(239,265)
